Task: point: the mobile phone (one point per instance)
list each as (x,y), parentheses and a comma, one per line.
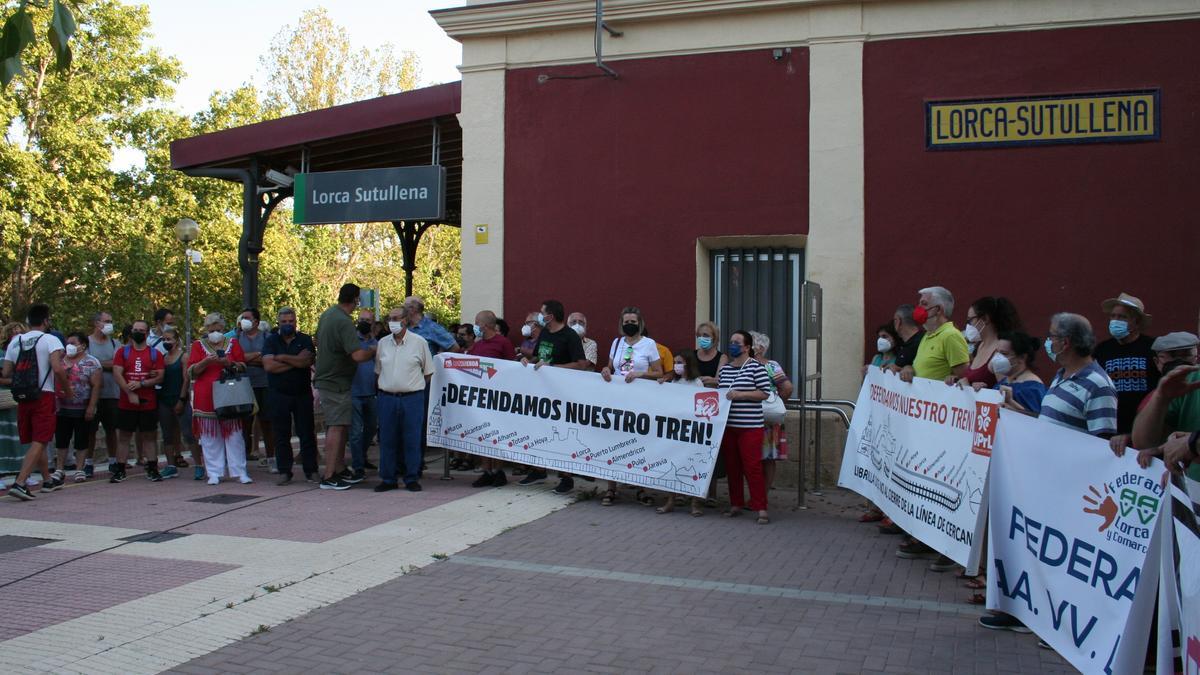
(220,353)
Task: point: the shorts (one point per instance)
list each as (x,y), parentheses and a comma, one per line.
(36,419)
(336,407)
(130,421)
(72,425)
(106,414)
(168,422)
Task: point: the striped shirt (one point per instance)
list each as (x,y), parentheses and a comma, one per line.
(1086,401)
(750,377)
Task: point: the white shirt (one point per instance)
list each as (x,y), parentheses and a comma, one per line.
(402,368)
(47,345)
(624,357)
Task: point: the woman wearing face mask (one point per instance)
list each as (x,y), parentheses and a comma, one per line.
(746,385)
(708,356)
(529,333)
(221,439)
(1012,365)
(78,399)
(886,339)
(987,317)
(685,371)
(631,357)
(169,400)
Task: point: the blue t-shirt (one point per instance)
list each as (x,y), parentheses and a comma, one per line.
(439,338)
(365,382)
(1029,393)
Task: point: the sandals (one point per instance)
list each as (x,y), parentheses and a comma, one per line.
(732,513)
(609,497)
(667,507)
(697,508)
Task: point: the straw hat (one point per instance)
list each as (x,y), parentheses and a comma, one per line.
(1131,302)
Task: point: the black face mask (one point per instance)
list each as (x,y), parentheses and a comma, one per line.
(168,346)
(1172,365)
(629,329)
(138,337)
(364,327)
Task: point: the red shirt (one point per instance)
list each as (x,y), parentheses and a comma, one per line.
(202,401)
(496,347)
(140,365)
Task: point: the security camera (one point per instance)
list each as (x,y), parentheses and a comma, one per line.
(279,178)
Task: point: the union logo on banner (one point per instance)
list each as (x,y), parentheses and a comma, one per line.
(708,404)
(986,416)
(471,366)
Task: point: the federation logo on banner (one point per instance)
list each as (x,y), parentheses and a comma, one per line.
(472,366)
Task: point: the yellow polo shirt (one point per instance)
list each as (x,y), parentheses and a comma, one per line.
(402,367)
(941,351)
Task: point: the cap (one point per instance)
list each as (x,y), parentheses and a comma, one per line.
(1172,341)
(1131,302)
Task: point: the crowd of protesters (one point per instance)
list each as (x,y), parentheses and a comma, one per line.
(369,379)
(1132,389)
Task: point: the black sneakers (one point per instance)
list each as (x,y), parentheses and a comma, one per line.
(413,486)
(534,477)
(484,480)
(385,487)
(52,483)
(351,477)
(498,478)
(153,475)
(1003,622)
(565,485)
(20,492)
(335,483)
(118,474)
(286,479)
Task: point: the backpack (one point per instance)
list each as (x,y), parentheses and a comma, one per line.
(25,385)
(154,354)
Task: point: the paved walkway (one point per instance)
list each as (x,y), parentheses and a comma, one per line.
(460,580)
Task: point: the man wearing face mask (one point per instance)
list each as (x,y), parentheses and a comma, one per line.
(403,365)
(1168,426)
(363,421)
(530,331)
(252,341)
(1128,356)
(337,362)
(943,350)
(1082,395)
(287,358)
(489,343)
(910,333)
(163,318)
(578,323)
(103,346)
(136,369)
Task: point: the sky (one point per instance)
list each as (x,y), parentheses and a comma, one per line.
(219,42)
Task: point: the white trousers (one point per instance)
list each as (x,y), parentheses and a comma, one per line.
(224,451)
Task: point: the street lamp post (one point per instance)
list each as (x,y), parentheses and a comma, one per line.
(187,231)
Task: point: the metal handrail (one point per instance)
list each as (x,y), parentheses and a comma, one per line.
(803,406)
(836,401)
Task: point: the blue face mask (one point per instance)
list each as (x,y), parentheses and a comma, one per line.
(287,330)
(704,342)
(541,319)
(478,331)
(1050,349)
(735,350)
(1118,329)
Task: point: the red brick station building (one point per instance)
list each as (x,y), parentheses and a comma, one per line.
(702,158)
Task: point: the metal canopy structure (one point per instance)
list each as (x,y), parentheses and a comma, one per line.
(412,128)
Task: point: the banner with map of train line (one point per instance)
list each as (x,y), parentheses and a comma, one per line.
(920,452)
(660,436)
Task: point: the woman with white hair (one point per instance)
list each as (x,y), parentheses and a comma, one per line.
(221,439)
(775,442)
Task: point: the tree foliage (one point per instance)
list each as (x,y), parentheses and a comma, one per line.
(82,237)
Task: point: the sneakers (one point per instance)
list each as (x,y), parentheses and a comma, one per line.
(79,476)
(385,487)
(70,467)
(484,480)
(914,550)
(1003,622)
(942,564)
(370,467)
(89,470)
(886,526)
(565,485)
(118,474)
(53,484)
(285,480)
(335,483)
(351,477)
(312,477)
(263,463)
(413,486)
(198,473)
(534,477)
(20,492)
(169,471)
(499,479)
(153,475)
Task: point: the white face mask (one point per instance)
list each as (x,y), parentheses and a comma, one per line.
(72,350)
(527,330)
(971,333)
(166,328)
(106,329)
(395,327)
(884,345)
(578,328)
(679,369)
(264,326)
(1000,365)
(215,337)
(246,324)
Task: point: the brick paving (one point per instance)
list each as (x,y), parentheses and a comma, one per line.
(623,589)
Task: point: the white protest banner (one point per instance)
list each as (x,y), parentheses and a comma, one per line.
(1179,580)
(1071,542)
(662,436)
(920,451)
